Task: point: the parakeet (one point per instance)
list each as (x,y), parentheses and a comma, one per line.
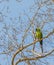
(39,35)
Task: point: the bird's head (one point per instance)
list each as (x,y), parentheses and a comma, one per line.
(38,29)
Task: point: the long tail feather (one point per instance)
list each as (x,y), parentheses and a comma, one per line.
(41,44)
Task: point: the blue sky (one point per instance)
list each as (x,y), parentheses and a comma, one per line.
(10,11)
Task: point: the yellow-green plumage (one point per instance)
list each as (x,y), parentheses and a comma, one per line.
(39,35)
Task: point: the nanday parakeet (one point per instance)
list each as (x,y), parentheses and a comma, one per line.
(39,35)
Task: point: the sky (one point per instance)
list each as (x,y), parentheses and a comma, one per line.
(10,12)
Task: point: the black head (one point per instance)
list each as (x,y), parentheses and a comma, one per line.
(38,29)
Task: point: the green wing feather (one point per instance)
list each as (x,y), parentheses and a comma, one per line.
(38,35)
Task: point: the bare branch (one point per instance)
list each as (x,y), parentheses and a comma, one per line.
(36,58)
(24,47)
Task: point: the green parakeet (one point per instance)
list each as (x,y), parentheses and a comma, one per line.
(39,35)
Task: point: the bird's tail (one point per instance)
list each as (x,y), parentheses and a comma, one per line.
(41,45)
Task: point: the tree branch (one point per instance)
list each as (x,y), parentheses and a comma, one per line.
(22,48)
(36,58)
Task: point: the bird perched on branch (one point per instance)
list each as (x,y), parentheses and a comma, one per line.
(39,35)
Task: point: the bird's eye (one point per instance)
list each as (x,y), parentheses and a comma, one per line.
(36,29)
